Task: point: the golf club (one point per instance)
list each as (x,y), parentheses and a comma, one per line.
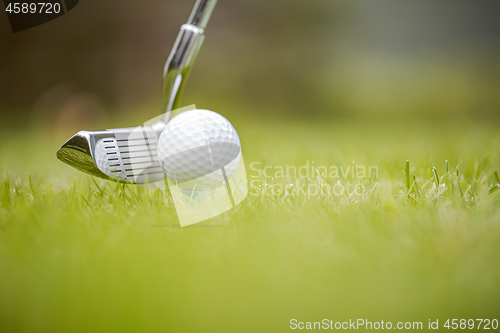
(129,155)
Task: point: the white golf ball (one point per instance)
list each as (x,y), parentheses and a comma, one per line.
(198,148)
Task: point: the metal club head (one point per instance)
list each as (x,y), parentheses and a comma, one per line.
(129,155)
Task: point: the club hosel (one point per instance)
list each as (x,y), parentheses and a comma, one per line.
(188,42)
(180,62)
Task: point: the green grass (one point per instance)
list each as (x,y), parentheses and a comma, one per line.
(78,254)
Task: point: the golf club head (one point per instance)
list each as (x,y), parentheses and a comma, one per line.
(130,155)
(127,155)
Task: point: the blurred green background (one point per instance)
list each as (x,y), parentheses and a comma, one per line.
(262,59)
(334,82)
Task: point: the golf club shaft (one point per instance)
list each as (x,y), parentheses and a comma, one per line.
(184,54)
(201,13)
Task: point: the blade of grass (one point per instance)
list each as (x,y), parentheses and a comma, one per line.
(407,174)
(436,177)
(446,174)
(493,188)
(471,187)
(85,200)
(460,192)
(101,191)
(416,185)
(32,188)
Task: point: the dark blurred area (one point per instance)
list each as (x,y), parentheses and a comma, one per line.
(274,58)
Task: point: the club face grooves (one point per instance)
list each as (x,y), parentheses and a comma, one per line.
(133,161)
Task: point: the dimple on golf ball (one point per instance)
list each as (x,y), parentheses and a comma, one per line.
(199,149)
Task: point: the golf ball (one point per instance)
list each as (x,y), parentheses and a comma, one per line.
(199,149)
